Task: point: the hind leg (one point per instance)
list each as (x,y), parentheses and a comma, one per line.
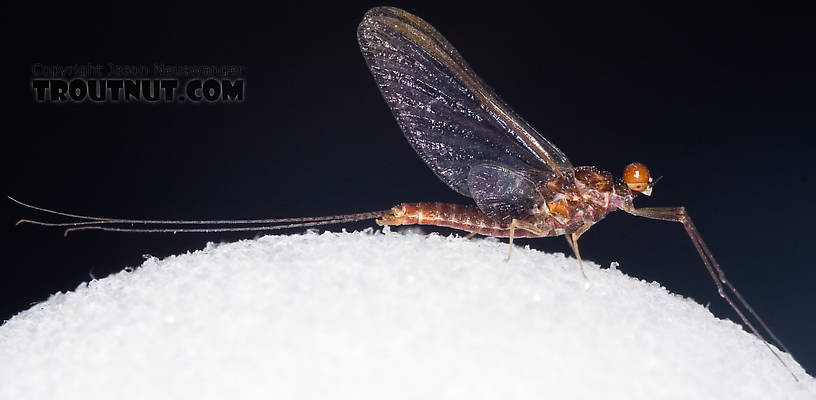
(519,224)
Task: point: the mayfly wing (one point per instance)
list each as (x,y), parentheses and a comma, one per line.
(503,193)
(450,117)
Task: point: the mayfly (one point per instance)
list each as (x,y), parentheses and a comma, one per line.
(522,185)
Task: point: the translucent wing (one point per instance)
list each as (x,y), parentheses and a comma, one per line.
(503,193)
(450,117)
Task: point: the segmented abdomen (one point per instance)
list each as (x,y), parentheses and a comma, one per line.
(457,216)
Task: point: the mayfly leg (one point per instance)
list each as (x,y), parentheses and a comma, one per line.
(522,225)
(572,239)
(679,214)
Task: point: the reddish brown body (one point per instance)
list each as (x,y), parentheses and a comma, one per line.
(570,204)
(458,216)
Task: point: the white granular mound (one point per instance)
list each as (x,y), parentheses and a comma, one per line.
(380,316)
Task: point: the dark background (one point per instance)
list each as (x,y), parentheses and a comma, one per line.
(717,100)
